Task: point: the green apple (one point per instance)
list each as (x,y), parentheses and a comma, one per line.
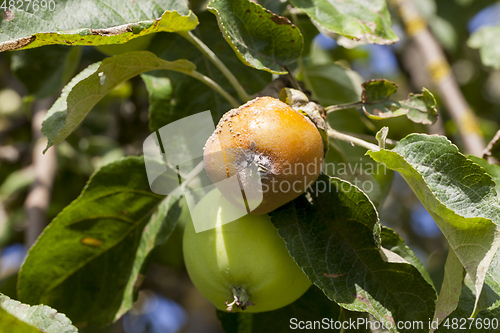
(241,265)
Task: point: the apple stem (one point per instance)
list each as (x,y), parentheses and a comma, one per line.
(241,299)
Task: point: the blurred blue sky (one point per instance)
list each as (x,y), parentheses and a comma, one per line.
(11,258)
(381,59)
(486,17)
(422,223)
(157,315)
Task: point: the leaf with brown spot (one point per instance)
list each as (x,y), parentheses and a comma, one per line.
(280,20)
(260,38)
(334,275)
(81,22)
(90,245)
(92,241)
(419,108)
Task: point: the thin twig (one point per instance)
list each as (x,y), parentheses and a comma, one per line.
(440,72)
(353,140)
(489,147)
(192,175)
(369,137)
(188,35)
(333,108)
(44,166)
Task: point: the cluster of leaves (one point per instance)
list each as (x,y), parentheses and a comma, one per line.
(102,242)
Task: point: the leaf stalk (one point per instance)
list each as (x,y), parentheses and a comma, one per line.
(189,36)
(215,86)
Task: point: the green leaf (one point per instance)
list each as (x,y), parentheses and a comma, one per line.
(456,192)
(39,318)
(161,225)
(492,169)
(360,20)
(357,317)
(393,242)
(55,119)
(98,243)
(419,108)
(485,321)
(312,306)
(93,83)
(333,233)
(332,84)
(45,71)
(16,181)
(487,40)
(160,94)
(82,22)
(381,136)
(8,323)
(168,252)
(493,274)
(260,38)
(309,31)
(451,288)
(487,299)
(377,90)
(351,164)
